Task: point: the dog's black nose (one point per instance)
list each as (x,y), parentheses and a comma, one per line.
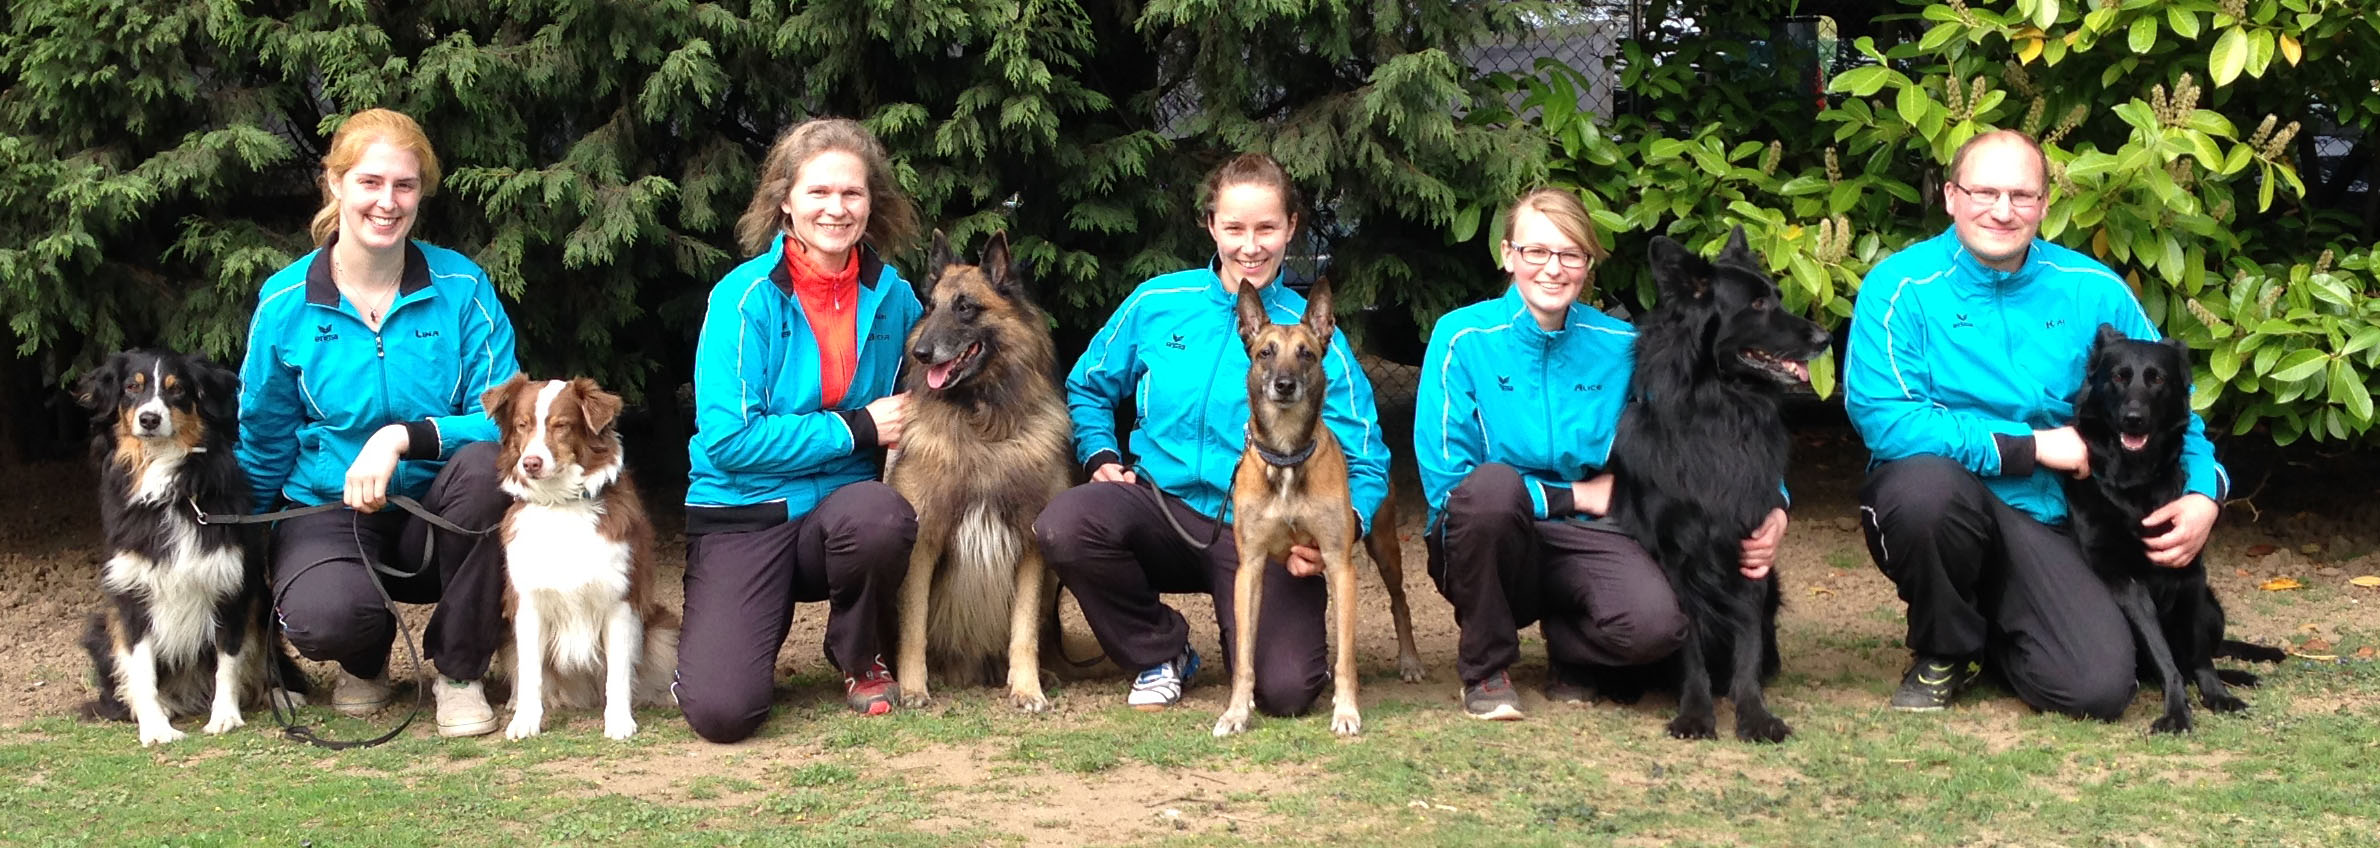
(1284,386)
(2134,422)
(1820,338)
(151,421)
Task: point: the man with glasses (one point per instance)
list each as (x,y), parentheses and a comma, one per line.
(1965,351)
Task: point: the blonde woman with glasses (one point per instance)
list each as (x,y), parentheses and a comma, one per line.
(1519,400)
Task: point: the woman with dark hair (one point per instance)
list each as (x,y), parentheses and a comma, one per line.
(795,403)
(1173,348)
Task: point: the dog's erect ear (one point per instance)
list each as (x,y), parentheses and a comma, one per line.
(1250,308)
(218,388)
(597,408)
(939,258)
(2108,334)
(498,401)
(1679,273)
(1738,251)
(1319,318)
(999,269)
(102,386)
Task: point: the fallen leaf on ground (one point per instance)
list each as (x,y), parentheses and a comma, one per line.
(1816,591)
(2260,550)
(2315,646)
(2241,572)
(2365,652)
(2368,581)
(2279,583)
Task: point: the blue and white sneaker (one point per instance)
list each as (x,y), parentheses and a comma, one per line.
(1161,686)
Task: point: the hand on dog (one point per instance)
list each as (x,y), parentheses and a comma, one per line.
(1591,496)
(1114,473)
(2062,449)
(1760,548)
(2187,521)
(368,475)
(1304,561)
(886,412)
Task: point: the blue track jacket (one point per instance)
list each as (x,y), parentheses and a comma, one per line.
(1953,358)
(1174,347)
(764,450)
(317,382)
(1497,388)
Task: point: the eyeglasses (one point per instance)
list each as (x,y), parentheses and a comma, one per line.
(1539,255)
(1989,197)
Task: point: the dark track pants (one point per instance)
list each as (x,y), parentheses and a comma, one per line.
(851,552)
(330,610)
(1983,579)
(1595,594)
(1111,548)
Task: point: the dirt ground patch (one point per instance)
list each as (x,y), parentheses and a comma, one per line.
(2305,516)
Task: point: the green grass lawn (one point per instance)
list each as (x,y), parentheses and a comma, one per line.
(2303,768)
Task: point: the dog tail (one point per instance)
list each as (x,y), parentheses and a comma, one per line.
(107,706)
(657,666)
(2249,651)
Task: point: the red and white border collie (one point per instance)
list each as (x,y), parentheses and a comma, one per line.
(185,624)
(578,553)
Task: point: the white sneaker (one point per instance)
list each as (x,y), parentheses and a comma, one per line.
(1161,686)
(463,708)
(359,697)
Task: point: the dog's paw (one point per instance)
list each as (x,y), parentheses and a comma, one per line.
(1765,728)
(1345,721)
(285,699)
(2224,703)
(1029,700)
(159,734)
(913,697)
(1232,721)
(2171,723)
(527,723)
(1686,726)
(225,721)
(619,724)
(1410,670)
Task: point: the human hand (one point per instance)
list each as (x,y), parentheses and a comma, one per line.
(367,477)
(2188,521)
(1304,561)
(1760,548)
(1591,496)
(2062,449)
(1113,473)
(886,412)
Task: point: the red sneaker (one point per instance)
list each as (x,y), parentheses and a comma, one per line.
(873,691)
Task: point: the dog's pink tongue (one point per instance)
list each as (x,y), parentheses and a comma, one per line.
(2132,442)
(1800,369)
(938,376)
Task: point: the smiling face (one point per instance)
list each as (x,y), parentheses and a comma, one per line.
(1548,287)
(1999,232)
(1251,227)
(827,209)
(378,197)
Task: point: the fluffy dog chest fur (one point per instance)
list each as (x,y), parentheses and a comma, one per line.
(577,574)
(182,590)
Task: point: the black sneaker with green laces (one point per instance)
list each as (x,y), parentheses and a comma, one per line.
(1932,682)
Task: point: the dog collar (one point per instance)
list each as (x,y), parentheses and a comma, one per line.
(1277,459)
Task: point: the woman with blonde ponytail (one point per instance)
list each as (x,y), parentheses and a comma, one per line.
(366,361)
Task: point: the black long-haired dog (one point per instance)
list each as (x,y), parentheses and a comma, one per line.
(1698,463)
(2132,411)
(185,623)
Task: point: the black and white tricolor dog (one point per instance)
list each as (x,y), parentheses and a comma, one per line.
(185,623)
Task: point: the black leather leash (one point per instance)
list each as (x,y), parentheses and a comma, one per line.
(288,721)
